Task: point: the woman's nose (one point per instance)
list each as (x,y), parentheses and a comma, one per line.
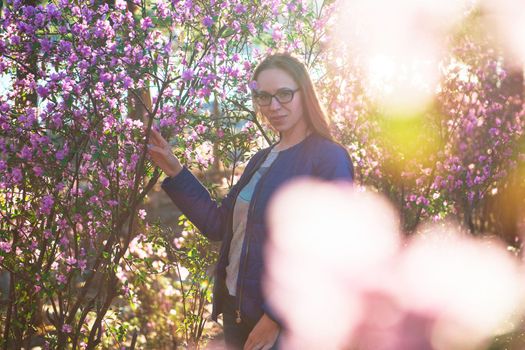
(275,104)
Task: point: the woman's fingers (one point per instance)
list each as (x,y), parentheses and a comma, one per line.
(160,154)
(156,149)
(163,158)
(155,136)
(157,139)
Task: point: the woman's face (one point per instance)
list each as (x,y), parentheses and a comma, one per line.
(285,117)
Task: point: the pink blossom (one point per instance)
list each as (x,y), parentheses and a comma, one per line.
(387,286)
(42,91)
(64,241)
(46,204)
(5,246)
(277,34)
(240,9)
(207,21)
(71,261)
(103,181)
(120,4)
(82,264)
(146,23)
(37,169)
(17,175)
(204,92)
(60,154)
(187,75)
(61,279)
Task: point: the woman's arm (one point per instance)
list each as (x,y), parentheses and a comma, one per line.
(188,194)
(194,200)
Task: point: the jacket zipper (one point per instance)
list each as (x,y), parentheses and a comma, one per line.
(238,318)
(259,163)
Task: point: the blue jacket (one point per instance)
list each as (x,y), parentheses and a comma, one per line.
(315,156)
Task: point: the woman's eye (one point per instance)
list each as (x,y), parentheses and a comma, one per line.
(283,95)
(264,97)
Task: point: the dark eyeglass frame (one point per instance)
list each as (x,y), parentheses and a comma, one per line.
(257,95)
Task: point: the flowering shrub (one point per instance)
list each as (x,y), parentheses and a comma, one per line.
(167,281)
(81,77)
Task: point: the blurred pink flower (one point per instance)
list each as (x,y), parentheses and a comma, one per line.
(340,277)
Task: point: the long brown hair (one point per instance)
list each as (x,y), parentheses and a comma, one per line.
(316,118)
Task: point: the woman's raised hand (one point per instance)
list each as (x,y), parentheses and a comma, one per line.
(160,153)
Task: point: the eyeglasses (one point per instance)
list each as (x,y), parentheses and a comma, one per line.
(282,96)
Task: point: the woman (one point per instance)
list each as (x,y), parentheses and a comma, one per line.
(285,96)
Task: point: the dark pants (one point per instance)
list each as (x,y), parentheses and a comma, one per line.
(236,334)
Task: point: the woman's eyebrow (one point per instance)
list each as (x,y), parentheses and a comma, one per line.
(279,89)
